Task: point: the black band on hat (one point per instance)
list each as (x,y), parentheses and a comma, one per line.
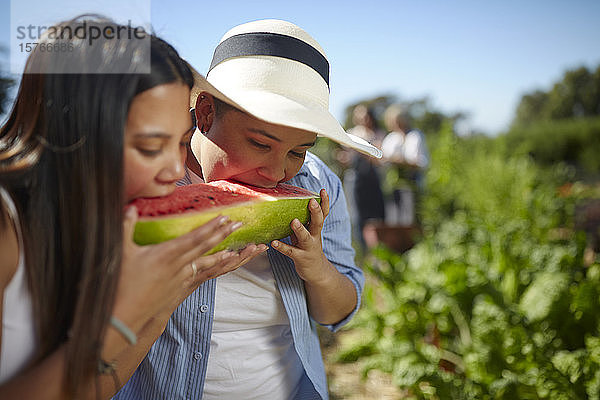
(271,44)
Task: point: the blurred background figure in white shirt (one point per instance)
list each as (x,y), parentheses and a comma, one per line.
(362,180)
(405,149)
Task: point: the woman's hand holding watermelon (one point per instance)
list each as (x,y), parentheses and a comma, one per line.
(330,295)
(165,270)
(306,249)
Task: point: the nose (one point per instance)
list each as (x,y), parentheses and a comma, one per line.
(173,169)
(273,172)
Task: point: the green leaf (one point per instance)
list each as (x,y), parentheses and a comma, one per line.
(570,364)
(543,294)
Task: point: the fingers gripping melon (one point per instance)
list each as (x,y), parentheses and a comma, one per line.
(265,213)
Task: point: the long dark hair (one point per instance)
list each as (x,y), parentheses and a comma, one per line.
(61,160)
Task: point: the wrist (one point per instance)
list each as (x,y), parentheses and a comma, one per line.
(121,333)
(124,330)
(326,275)
(114,344)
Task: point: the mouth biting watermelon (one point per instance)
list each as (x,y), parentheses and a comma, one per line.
(265,213)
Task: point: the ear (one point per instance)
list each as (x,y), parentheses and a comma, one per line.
(205,111)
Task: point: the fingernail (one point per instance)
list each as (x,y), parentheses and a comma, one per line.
(235,226)
(296,223)
(262,247)
(223,220)
(131,212)
(226,255)
(313,203)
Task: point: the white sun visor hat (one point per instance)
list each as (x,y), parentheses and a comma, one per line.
(276,72)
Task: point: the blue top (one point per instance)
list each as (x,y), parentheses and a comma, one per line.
(176,364)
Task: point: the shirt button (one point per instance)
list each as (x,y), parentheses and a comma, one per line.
(197,355)
(203,308)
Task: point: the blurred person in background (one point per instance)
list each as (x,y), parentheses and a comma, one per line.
(362,181)
(405,151)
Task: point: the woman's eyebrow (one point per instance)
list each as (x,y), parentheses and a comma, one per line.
(158,134)
(151,135)
(264,133)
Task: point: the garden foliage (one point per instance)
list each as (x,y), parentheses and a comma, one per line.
(575,141)
(495,302)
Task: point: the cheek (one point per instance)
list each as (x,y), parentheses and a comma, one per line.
(132,187)
(210,158)
(137,177)
(292,169)
(221,160)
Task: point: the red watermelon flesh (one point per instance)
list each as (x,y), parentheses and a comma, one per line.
(265,213)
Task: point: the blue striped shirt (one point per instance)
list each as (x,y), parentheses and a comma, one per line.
(176,364)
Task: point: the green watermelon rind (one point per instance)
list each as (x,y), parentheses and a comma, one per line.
(263,221)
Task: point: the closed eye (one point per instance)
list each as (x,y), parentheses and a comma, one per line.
(150,153)
(296,154)
(259,145)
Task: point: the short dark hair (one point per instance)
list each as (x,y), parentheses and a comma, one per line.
(222,107)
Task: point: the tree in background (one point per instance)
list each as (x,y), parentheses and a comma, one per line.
(576,95)
(531,108)
(5,84)
(562,124)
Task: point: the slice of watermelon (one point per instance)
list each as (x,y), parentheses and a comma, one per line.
(265,213)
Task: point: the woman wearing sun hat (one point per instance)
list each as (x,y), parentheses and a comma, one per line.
(252,334)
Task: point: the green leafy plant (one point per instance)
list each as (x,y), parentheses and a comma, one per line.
(495,302)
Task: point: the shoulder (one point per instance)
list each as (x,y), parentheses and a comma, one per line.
(357,131)
(415,134)
(315,172)
(415,138)
(392,139)
(315,164)
(316,175)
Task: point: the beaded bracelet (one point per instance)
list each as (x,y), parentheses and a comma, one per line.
(108,368)
(123,330)
(105,368)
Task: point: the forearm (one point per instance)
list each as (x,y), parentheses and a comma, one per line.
(331,298)
(129,359)
(46,380)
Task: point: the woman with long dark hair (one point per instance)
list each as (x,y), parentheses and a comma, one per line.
(94,126)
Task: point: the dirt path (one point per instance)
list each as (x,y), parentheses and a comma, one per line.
(345,381)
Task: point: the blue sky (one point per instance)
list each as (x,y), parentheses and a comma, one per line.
(477,57)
